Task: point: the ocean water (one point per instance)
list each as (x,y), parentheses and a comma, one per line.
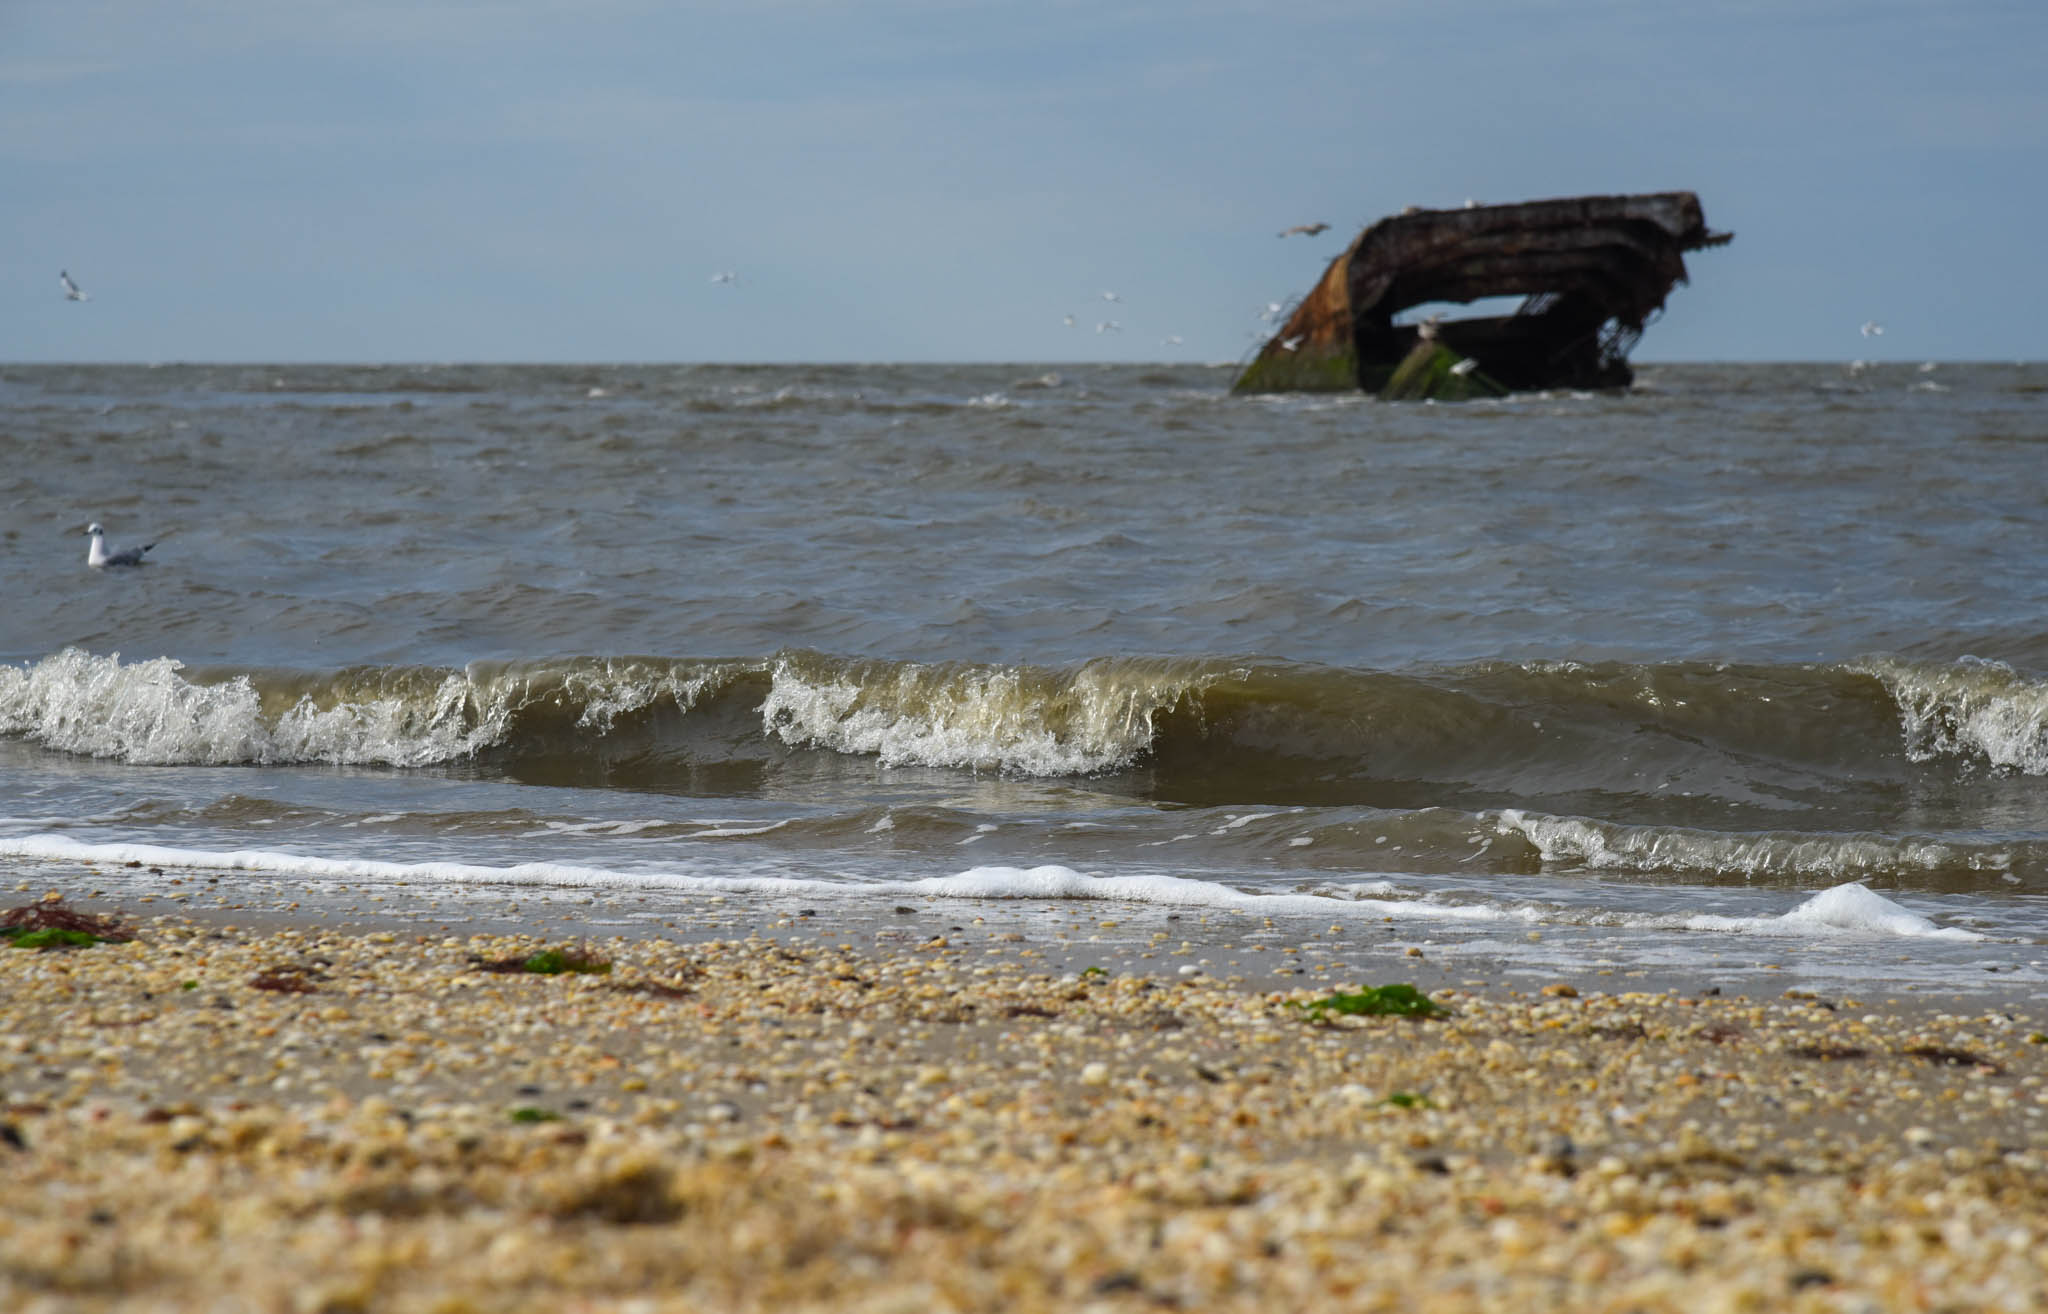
(1748,664)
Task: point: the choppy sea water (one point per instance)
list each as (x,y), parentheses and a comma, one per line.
(1747,664)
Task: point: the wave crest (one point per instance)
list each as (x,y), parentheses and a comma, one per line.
(1969,708)
(1036,721)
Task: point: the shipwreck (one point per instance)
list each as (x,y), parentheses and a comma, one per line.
(1593,272)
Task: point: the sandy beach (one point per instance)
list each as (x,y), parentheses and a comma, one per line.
(252,1114)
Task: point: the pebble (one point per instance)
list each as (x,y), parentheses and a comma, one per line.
(757,1125)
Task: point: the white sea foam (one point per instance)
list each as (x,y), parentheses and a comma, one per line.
(728,830)
(619,687)
(1058,882)
(1000,718)
(1576,841)
(1033,722)
(150,713)
(62,848)
(1845,909)
(1850,909)
(1968,708)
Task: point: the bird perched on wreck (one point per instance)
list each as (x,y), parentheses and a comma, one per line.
(1306,230)
(98,557)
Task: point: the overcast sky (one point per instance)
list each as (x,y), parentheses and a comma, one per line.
(894,180)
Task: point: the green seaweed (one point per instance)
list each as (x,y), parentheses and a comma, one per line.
(1429,373)
(1308,369)
(53,924)
(1402,1099)
(550,962)
(528,1113)
(553,962)
(50,937)
(1397,1000)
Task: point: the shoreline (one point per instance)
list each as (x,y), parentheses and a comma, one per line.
(1249,948)
(935,1116)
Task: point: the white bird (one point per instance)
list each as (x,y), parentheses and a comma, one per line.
(1068,320)
(1170,340)
(1872,329)
(725,276)
(1109,326)
(1273,308)
(1111,296)
(72,292)
(97,555)
(1464,367)
(1289,344)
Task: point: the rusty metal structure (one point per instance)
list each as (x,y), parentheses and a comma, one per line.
(1593,272)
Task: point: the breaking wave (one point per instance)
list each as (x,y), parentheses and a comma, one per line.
(1498,734)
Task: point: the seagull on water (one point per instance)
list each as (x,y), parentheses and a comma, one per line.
(97,555)
(72,292)
(1306,230)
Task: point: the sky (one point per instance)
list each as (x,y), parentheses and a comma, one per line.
(897,180)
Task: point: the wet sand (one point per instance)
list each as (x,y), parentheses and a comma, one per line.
(235,1111)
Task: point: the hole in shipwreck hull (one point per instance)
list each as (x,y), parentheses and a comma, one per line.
(1483,308)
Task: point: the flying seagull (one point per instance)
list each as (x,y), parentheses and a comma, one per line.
(1306,230)
(1289,344)
(72,292)
(98,556)
(1872,329)
(1109,326)
(1111,296)
(725,276)
(1464,367)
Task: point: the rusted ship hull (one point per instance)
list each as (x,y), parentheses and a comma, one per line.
(1593,272)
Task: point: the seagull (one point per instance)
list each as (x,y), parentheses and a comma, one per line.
(1272,310)
(1872,329)
(1464,367)
(1068,320)
(72,292)
(98,556)
(725,276)
(1170,340)
(1111,296)
(1306,230)
(1109,326)
(1289,344)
